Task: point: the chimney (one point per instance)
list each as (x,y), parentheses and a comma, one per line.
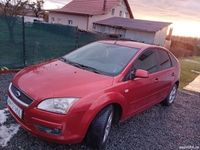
(104,5)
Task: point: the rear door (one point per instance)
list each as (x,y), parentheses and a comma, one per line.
(166,73)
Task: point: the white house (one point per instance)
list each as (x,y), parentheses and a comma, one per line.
(83,13)
(32,19)
(151,32)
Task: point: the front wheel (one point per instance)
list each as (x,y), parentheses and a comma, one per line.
(172,96)
(100,128)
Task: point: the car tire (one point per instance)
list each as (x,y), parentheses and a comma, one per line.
(100,128)
(172,96)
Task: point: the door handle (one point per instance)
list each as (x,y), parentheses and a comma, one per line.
(173,74)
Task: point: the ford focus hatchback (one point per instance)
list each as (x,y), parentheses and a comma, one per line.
(80,95)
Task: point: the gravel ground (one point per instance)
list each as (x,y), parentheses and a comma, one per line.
(159,128)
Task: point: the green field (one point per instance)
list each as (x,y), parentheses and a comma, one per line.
(42,41)
(188,66)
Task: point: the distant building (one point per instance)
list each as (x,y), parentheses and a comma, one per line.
(31,19)
(151,32)
(30,16)
(83,13)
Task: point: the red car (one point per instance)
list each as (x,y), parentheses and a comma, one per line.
(79,96)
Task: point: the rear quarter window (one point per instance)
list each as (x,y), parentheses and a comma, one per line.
(164,60)
(173,60)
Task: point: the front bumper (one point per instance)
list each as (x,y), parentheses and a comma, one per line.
(39,123)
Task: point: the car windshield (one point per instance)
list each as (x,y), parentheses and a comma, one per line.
(102,58)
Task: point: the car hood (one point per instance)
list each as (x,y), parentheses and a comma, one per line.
(58,79)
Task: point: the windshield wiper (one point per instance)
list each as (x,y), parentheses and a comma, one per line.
(71,63)
(91,69)
(81,66)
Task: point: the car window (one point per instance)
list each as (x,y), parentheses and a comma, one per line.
(105,58)
(147,61)
(164,60)
(173,59)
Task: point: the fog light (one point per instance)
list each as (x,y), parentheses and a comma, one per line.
(54,131)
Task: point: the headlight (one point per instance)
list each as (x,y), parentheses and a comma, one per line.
(57,105)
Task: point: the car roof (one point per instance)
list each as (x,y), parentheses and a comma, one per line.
(129,43)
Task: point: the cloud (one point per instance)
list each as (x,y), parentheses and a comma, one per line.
(167,9)
(54,4)
(182,13)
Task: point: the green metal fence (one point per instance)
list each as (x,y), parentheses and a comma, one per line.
(31,43)
(11,43)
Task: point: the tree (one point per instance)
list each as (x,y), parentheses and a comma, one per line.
(10,10)
(37,7)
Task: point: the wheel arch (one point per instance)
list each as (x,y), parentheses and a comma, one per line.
(118,102)
(118,110)
(177,83)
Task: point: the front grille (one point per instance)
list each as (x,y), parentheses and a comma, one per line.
(20,95)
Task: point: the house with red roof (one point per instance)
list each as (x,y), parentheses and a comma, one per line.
(83,13)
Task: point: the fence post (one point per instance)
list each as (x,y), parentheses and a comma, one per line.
(23,41)
(77,38)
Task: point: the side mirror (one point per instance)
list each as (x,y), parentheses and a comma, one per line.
(141,73)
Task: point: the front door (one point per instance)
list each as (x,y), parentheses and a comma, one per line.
(141,93)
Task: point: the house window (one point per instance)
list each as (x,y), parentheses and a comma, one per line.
(58,20)
(113,11)
(52,19)
(70,22)
(120,13)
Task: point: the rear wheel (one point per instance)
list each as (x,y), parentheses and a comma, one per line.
(171,97)
(100,128)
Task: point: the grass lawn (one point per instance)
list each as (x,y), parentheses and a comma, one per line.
(187,65)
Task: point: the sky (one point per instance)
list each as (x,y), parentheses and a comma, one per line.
(184,14)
